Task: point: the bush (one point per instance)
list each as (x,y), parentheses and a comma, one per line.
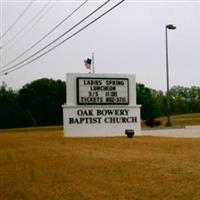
(152,122)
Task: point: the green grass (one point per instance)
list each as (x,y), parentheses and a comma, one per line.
(41,164)
(187,116)
(180,120)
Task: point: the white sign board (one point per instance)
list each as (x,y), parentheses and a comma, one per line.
(100,105)
(109,121)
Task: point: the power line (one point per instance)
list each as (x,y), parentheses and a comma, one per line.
(56,38)
(18,18)
(41,55)
(31,27)
(46,35)
(1,22)
(28,24)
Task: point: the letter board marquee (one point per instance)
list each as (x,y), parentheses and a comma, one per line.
(102,91)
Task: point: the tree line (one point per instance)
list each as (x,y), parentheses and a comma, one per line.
(39,103)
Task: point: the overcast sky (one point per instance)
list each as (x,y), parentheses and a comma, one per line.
(128,40)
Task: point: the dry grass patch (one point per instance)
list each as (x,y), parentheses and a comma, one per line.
(44,165)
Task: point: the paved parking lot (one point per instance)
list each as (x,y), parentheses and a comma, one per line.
(187,132)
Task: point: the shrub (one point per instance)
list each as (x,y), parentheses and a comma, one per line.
(153,122)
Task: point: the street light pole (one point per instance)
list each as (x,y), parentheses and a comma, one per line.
(0,62)
(171,27)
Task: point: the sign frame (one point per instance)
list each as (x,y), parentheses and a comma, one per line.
(101,78)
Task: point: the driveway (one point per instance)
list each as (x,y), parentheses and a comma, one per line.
(187,132)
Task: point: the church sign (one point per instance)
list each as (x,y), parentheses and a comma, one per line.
(100,105)
(102,91)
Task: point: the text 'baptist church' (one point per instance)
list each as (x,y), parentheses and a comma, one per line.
(99,116)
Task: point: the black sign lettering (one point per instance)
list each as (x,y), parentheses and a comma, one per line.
(85,112)
(85,120)
(105,91)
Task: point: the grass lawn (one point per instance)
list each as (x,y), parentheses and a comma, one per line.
(186,120)
(179,120)
(42,165)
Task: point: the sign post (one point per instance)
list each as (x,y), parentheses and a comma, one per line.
(100,105)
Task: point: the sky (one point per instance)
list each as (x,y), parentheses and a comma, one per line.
(128,40)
